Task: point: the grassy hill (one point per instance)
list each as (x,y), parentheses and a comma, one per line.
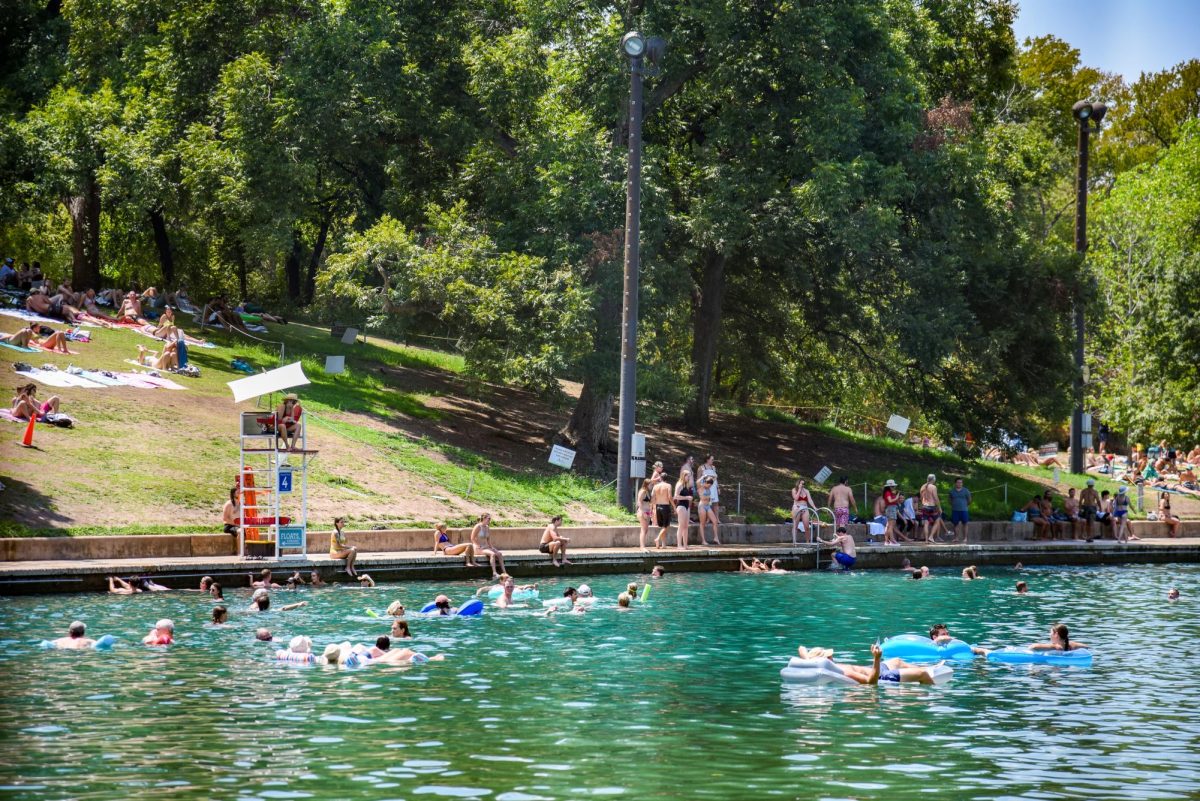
(405,438)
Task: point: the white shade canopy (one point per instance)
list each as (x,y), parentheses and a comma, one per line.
(277,380)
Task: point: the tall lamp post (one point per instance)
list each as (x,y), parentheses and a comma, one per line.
(1084,113)
(636,48)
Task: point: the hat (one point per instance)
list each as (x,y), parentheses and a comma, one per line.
(1123,490)
(889,483)
(300,645)
(1091,482)
(165,623)
(291,396)
(395,608)
(585,591)
(333,653)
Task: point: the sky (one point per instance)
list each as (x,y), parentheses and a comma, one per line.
(1127,37)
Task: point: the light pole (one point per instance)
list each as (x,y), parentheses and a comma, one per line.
(635,47)
(1084,112)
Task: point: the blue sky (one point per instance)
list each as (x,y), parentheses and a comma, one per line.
(1128,37)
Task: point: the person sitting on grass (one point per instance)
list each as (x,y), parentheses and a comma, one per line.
(167,360)
(339,547)
(131,310)
(553,544)
(893,670)
(25,405)
(76,637)
(29,338)
(442,544)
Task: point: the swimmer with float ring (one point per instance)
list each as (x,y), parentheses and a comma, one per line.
(1061,650)
(77,640)
(441,608)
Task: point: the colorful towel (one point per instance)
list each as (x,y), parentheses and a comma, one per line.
(101,378)
(17,347)
(56,378)
(137,380)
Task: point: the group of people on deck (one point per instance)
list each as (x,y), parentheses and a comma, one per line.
(659,499)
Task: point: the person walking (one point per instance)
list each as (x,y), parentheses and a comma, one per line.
(709,470)
(661,496)
(960,506)
(891,511)
(841,500)
(801,506)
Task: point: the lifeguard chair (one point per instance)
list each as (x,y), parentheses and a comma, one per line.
(273,480)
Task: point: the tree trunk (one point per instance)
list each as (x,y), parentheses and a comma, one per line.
(706,329)
(291,270)
(84,209)
(310,280)
(163,243)
(587,430)
(239,257)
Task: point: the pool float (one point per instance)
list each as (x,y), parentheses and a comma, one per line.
(292,656)
(104,643)
(823,671)
(472,608)
(918,648)
(518,595)
(1080,657)
(564,601)
(645,593)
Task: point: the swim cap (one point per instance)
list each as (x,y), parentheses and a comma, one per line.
(585,591)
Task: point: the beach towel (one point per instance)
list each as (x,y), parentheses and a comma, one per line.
(17,348)
(28,316)
(57,378)
(101,378)
(157,381)
(137,380)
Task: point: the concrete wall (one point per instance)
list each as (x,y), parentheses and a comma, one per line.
(421,540)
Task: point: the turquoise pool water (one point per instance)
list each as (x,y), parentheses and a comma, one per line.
(680,698)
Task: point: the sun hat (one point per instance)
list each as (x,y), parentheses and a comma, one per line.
(291,396)
(1123,490)
(889,483)
(300,645)
(332,654)
(585,591)
(1091,482)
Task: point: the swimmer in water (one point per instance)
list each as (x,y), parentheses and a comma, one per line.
(76,637)
(396,609)
(755,566)
(658,571)
(906,565)
(499,585)
(442,602)
(632,589)
(365,581)
(220,616)
(506,596)
(1173,595)
(1018,566)
(776,567)
(940,634)
(205,583)
(119,586)
(400,630)
(623,600)
(314,579)
(893,670)
(1022,588)
(916,574)
(1060,640)
(399,656)
(970,573)
(924,572)
(264,635)
(163,633)
(264,580)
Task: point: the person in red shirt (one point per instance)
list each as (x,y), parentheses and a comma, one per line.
(891,510)
(287,420)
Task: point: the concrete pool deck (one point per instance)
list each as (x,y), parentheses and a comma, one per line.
(90,575)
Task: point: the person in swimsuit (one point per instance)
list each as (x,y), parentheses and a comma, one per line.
(479,538)
(704,512)
(339,548)
(841,499)
(1089,504)
(645,511)
(660,493)
(1033,513)
(441,544)
(709,470)
(314,579)
(25,404)
(287,420)
(683,508)
(1120,513)
(29,338)
(931,509)
(891,511)
(400,630)
(1165,516)
(846,554)
(553,544)
(1071,512)
(801,503)
(894,670)
(232,513)
(1060,640)
(76,637)
(163,633)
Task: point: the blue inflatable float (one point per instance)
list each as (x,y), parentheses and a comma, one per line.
(919,648)
(518,595)
(472,608)
(1080,657)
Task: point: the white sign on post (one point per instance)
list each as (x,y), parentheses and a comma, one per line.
(898,424)
(637,456)
(1056,475)
(822,474)
(335,364)
(562,457)
(350,335)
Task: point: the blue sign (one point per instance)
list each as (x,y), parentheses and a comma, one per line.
(291,537)
(285,480)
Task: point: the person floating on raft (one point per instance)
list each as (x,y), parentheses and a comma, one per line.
(893,670)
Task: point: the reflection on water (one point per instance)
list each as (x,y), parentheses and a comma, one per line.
(680,698)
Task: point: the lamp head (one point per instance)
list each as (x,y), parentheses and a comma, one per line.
(1098,111)
(1082,110)
(633,44)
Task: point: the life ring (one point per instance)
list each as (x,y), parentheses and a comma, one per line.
(292,656)
(1080,657)
(518,595)
(472,608)
(918,648)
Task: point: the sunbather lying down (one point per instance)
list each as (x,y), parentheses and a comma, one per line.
(28,338)
(167,360)
(896,670)
(1032,459)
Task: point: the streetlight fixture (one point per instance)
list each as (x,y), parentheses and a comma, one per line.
(1085,112)
(636,48)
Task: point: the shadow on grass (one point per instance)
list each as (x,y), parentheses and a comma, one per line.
(21,503)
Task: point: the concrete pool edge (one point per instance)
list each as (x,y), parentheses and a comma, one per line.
(23,578)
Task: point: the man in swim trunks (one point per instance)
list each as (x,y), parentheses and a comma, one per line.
(841,499)
(662,496)
(894,670)
(553,544)
(1089,504)
(75,637)
(846,555)
(931,508)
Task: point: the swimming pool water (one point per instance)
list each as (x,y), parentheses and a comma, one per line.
(679,698)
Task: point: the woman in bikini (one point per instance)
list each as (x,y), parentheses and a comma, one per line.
(441,544)
(801,503)
(28,338)
(645,513)
(25,405)
(1165,516)
(480,539)
(339,548)
(684,490)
